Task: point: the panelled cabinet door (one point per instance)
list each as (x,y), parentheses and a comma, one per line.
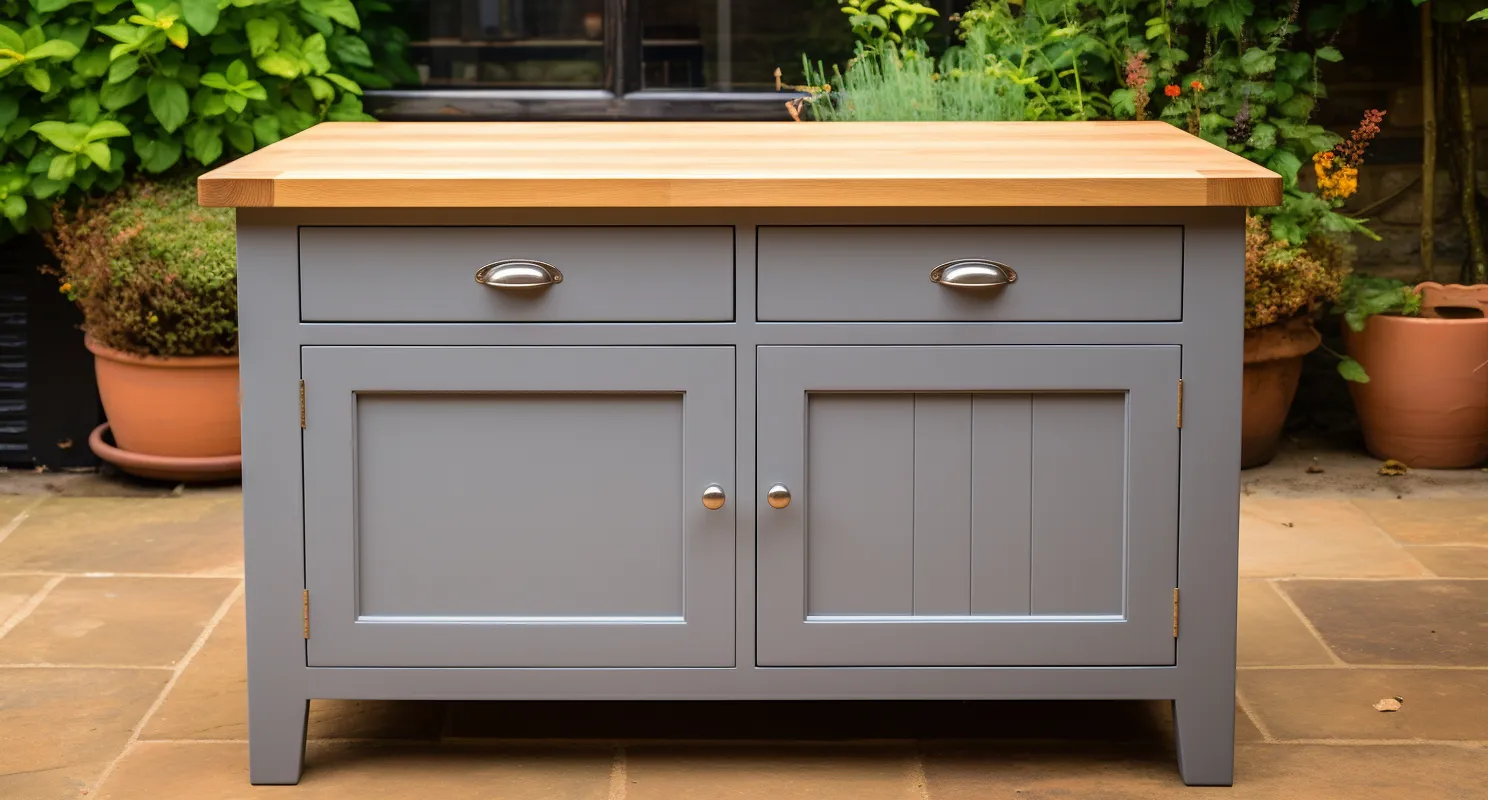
(519,506)
(967,506)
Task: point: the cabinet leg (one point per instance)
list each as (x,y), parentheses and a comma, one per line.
(1206,740)
(276,738)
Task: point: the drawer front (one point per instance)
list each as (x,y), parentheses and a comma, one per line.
(428,274)
(882,274)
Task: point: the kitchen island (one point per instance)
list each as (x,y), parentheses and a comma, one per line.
(741,411)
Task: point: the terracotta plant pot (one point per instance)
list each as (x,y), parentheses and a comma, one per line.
(1426,403)
(1273,363)
(180,414)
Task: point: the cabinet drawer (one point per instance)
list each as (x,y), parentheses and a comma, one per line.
(882,274)
(428,274)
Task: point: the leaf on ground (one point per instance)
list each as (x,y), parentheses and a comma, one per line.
(1389,704)
(1392,468)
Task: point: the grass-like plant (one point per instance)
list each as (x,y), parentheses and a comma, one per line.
(154,273)
(897,84)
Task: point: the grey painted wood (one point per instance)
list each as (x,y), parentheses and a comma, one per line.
(655,274)
(1002,526)
(273,529)
(881,273)
(556,496)
(793,633)
(1080,472)
(942,504)
(528,506)
(859,554)
(1201,682)
(1210,506)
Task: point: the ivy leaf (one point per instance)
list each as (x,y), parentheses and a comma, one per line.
(38,78)
(168,102)
(263,34)
(201,15)
(1352,370)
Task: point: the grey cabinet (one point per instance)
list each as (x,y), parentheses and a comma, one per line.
(968,506)
(519,506)
(464,491)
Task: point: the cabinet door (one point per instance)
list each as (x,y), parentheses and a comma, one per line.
(519,506)
(976,506)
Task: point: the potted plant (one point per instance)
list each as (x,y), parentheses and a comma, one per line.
(1283,285)
(1418,369)
(155,276)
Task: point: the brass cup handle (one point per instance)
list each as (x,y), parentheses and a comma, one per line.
(713,497)
(518,273)
(778,496)
(973,273)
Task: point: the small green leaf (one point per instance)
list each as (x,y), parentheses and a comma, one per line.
(240,136)
(157,155)
(201,15)
(263,34)
(56,48)
(266,130)
(215,80)
(10,108)
(313,50)
(236,102)
(107,129)
(320,89)
(1352,370)
(14,207)
(277,63)
(253,90)
(62,167)
(123,68)
(114,96)
(38,78)
(168,102)
(237,72)
(1329,53)
(98,153)
(10,40)
(177,35)
(347,83)
(1256,61)
(68,136)
(205,142)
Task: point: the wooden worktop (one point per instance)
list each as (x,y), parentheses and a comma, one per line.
(739,164)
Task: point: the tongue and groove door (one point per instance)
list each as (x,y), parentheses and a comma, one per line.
(967,506)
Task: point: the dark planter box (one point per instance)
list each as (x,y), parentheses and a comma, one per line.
(48,396)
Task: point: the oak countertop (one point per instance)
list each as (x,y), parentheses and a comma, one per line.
(739,164)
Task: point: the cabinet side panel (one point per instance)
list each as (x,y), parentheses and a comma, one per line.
(1079,503)
(860,515)
(1001,477)
(942,504)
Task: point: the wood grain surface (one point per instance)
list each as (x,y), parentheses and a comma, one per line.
(739,164)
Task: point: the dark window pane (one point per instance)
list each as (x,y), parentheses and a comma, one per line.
(512,44)
(735,45)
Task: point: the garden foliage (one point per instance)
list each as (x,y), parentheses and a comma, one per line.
(154,273)
(91,90)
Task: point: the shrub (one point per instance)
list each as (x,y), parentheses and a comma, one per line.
(906,83)
(92,90)
(1282,281)
(153,273)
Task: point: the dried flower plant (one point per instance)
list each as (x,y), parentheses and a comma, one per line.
(1282,280)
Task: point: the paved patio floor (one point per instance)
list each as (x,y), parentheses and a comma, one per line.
(121,676)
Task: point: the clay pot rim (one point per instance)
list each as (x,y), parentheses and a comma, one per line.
(1279,341)
(209,467)
(167,362)
(1404,320)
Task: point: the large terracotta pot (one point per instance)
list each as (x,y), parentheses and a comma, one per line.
(1426,403)
(178,413)
(1273,364)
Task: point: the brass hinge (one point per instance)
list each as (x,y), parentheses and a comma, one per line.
(302,404)
(1175,614)
(1180,403)
(306,613)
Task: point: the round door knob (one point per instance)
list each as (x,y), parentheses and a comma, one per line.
(778,496)
(713,497)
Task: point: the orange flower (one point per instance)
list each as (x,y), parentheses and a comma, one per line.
(1172,90)
(1197,86)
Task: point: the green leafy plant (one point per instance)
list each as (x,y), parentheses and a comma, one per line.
(1362,297)
(880,22)
(154,273)
(1056,50)
(92,90)
(890,84)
